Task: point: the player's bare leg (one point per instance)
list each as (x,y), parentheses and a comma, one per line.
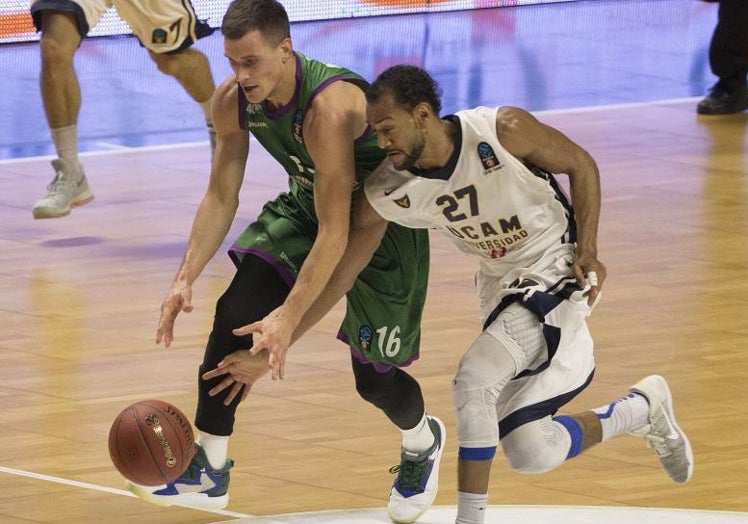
(191,69)
(61,93)
(61,96)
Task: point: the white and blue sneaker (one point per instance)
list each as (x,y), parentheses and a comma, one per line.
(662,433)
(200,486)
(417,481)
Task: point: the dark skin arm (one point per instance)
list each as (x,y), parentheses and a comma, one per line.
(530,140)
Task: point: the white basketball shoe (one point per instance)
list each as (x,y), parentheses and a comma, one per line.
(417,481)
(662,433)
(68,189)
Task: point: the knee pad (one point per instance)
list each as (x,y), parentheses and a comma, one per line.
(256,290)
(230,314)
(537,447)
(521,333)
(483,371)
(395,392)
(373,394)
(508,345)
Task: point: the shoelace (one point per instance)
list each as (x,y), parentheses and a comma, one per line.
(56,185)
(658,444)
(411,474)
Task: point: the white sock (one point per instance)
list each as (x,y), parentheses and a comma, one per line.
(216,448)
(420,438)
(471,508)
(623,416)
(66,143)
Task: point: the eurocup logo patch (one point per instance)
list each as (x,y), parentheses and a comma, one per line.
(488,158)
(365,336)
(298,122)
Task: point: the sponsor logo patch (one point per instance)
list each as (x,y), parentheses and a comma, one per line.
(488,158)
(403,202)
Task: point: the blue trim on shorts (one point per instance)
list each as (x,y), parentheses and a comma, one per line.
(476,453)
(575,432)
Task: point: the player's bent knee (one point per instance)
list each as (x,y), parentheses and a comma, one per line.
(529,462)
(372,394)
(536,447)
(230,314)
(55,53)
(167,63)
(487,363)
(483,372)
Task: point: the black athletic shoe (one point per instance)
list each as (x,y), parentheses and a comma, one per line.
(723,102)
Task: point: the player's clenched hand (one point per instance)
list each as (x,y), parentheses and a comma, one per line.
(589,273)
(239,370)
(178,299)
(272,334)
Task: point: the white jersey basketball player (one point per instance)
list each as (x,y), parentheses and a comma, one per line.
(483,178)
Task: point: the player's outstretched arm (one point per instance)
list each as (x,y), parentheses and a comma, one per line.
(216,210)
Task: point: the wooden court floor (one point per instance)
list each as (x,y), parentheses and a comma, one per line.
(79,302)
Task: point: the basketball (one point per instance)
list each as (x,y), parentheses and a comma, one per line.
(151,442)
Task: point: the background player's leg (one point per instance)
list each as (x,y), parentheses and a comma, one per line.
(728,59)
(61,96)
(61,93)
(191,69)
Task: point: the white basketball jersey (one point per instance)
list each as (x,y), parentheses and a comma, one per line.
(491,205)
(519,223)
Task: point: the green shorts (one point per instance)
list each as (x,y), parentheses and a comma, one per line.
(382,324)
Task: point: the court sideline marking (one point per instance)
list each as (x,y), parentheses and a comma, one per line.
(105,489)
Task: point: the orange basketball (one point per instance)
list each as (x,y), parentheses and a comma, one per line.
(151,442)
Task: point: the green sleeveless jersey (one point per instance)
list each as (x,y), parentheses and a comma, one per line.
(382,324)
(281,131)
